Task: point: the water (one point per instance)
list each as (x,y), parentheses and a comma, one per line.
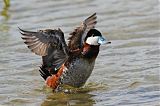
(126,72)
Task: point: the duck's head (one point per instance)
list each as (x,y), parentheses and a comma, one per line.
(94,37)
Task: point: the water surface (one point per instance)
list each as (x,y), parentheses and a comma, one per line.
(126,72)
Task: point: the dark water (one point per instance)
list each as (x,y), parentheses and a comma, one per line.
(126,72)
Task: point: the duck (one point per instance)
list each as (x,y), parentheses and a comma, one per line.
(66,64)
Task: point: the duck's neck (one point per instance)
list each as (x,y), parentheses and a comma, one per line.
(90,51)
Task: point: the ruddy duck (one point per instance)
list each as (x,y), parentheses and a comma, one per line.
(69,64)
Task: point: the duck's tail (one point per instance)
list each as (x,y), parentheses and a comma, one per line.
(44,72)
(51,80)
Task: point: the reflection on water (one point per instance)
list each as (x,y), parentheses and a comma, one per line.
(62,99)
(7,3)
(72,96)
(4,11)
(4,28)
(126,72)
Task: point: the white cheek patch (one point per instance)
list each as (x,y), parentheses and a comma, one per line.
(92,40)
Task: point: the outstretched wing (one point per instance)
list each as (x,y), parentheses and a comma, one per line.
(39,42)
(77,36)
(50,44)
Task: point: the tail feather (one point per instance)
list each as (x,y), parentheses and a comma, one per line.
(44,72)
(51,80)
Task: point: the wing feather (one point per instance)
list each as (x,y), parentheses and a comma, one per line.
(51,45)
(39,42)
(78,35)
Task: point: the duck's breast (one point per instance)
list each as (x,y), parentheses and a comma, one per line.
(77,72)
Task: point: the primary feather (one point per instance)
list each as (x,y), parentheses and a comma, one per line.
(77,37)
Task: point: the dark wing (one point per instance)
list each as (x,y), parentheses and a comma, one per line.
(77,36)
(39,42)
(50,44)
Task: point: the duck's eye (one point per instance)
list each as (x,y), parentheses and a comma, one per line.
(92,35)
